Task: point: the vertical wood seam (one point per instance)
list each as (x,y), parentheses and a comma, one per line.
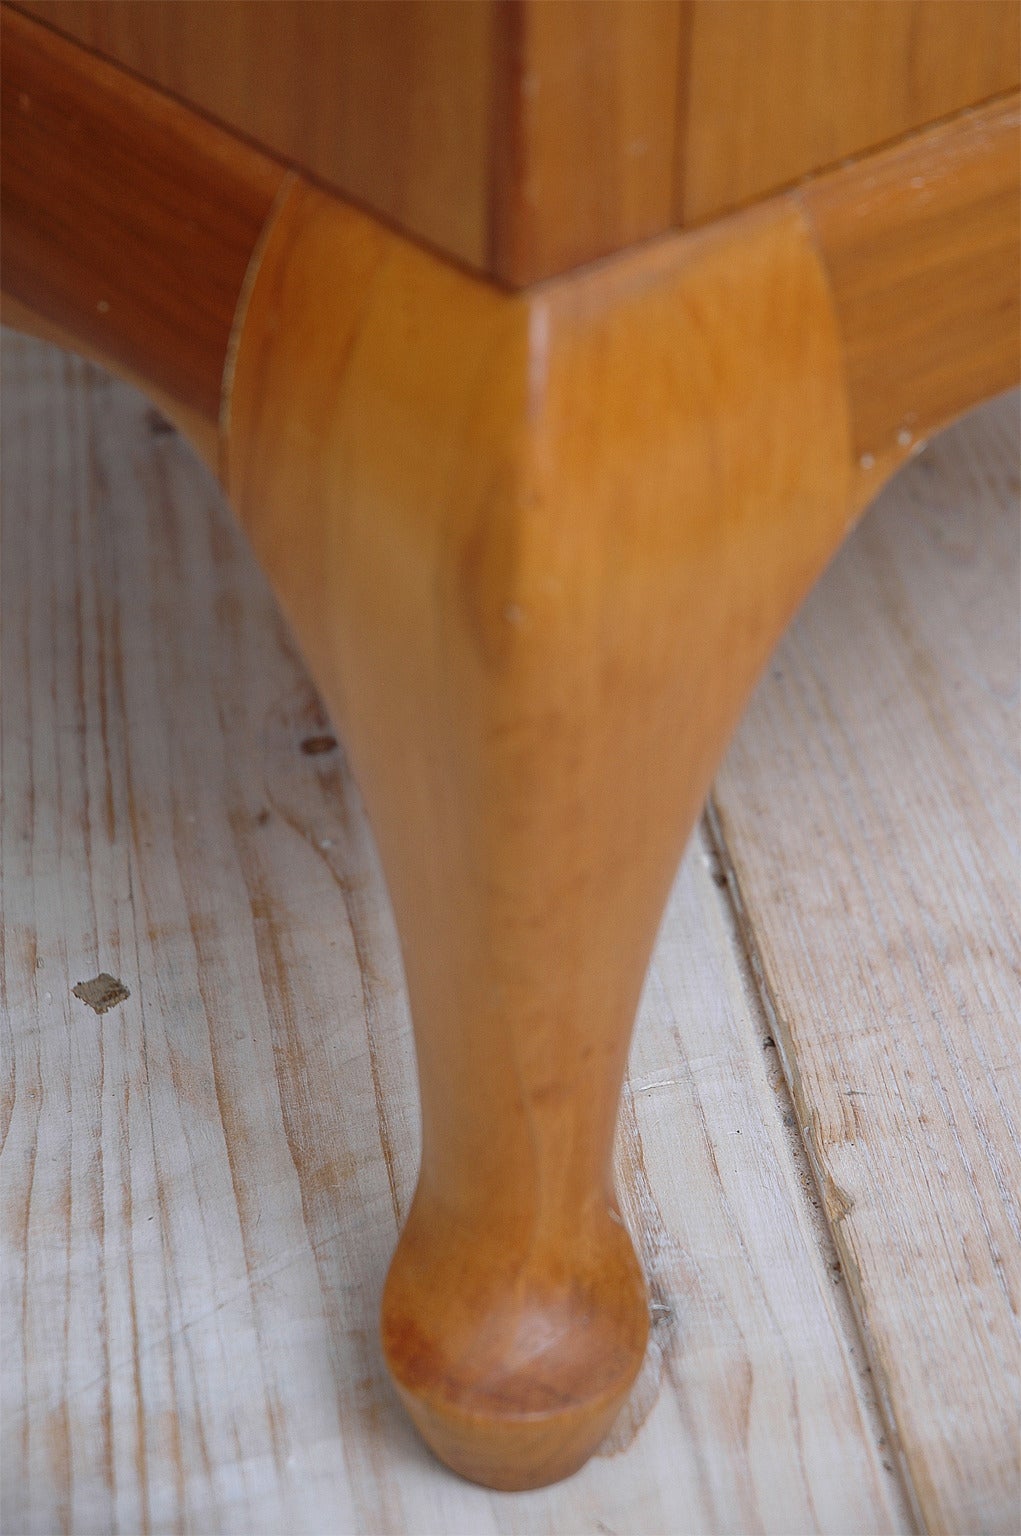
(686,23)
(506,47)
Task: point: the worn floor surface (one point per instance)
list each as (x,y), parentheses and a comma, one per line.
(208,1097)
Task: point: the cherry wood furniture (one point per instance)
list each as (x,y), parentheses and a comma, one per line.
(536,520)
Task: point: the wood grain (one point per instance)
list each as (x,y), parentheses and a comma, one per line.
(201,1187)
(519,624)
(583,142)
(918,350)
(922,246)
(128,223)
(519,138)
(492,616)
(529,137)
(869,808)
(778,89)
(387,102)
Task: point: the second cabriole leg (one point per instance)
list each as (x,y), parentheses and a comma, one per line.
(536,549)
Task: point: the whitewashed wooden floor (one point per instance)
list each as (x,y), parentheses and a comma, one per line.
(201,1186)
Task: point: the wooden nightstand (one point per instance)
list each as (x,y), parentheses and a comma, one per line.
(537,519)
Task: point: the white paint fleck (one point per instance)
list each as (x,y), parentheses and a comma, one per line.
(903,438)
(867,461)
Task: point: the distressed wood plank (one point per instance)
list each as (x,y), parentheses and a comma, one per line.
(203,1185)
(869,807)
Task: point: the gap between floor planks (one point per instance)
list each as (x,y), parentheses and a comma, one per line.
(205,1181)
(869,812)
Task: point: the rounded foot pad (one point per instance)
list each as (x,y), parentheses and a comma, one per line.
(513,1376)
(514,1453)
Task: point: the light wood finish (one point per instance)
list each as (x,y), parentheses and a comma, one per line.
(128,223)
(536,625)
(584,152)
(874,783)
(918,351)
(778,89)
(922,246)
(389,101)
(202,1187)
(519,138)
(518,623)
(527,137)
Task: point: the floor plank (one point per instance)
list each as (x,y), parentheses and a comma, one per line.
(202,1185)
(870,812)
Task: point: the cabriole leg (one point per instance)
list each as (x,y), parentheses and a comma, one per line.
(536,549)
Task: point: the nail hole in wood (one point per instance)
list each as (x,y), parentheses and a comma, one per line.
(314,746)
(157,423)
